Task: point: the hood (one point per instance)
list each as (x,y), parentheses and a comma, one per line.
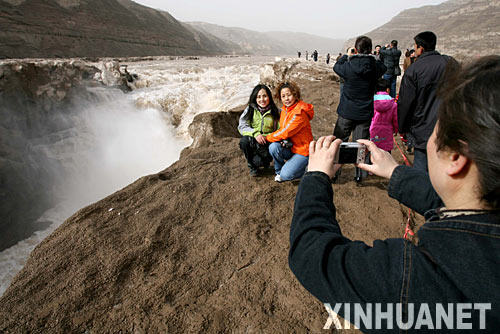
(306,108)
(362,64)
(383,102)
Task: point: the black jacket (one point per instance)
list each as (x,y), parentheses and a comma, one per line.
(456,259)
(391,58)
(360,73)
(417,104)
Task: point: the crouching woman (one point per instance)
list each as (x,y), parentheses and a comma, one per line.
(290,144)
(259,119)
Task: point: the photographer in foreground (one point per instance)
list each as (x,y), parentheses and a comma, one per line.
(457,259)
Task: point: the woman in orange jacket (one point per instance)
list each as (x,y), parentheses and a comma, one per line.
(290,143)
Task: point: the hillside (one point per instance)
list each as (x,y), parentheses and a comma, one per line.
(200,247)
(95,28)
(273,42)
(463,27)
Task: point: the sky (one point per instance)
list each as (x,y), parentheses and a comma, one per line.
(328,18)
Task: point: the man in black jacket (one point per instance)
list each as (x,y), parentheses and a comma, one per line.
(390,56)
(360,71)
(417,104)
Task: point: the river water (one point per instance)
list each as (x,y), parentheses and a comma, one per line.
(117,138)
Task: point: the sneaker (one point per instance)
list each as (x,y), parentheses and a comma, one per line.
(277,178)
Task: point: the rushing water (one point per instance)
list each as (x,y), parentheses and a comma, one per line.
(117,138)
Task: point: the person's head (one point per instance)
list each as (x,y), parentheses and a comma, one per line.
(363,45)
(288,93)
(394,43)
(377,49)
(412,53)
(425,41)
(382,86)
(261,96)
(407,53)
(466,138)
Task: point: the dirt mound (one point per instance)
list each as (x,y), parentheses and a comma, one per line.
(198,247)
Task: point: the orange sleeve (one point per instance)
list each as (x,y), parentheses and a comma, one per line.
(293,126)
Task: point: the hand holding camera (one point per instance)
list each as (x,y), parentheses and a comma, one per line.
(383,164)
(322,155)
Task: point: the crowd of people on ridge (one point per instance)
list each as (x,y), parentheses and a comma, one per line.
(451,115)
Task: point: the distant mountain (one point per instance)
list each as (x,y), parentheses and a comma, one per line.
(463,27)
(270,43)
(97,28)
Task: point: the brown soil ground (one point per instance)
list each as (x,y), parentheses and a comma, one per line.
(200,247)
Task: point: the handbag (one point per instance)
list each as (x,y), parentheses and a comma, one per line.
(397,70)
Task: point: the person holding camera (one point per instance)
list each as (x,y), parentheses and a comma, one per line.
(360,71)
(259,119)
(290,144)
(457,255)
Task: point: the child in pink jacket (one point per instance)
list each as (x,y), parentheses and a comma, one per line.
(385,118)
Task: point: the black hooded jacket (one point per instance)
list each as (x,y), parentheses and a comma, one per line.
(418,104)
(360,73)
(391,58)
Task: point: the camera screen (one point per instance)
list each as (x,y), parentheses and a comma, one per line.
(348,155)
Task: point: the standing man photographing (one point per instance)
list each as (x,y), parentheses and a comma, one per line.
(417,104)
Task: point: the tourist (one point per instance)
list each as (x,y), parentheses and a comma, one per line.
(259,119)
(455,262)
(417,103)
(390,55)
(360,71)
(290,144)
(385,118)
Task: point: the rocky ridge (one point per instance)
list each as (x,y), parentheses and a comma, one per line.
(464,28)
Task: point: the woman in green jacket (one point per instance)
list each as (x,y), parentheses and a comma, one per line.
(260,118)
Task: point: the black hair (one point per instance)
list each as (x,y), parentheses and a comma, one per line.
(427,40)
(469,120)
(382,85)
(394,43)
(294,89)
(252,101)
(363,45)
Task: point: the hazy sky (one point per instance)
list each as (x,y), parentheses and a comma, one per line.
(329,18)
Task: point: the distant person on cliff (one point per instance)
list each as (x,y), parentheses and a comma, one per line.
(315,55)
(259,119)
(455,262)
(327,58)
(307,55)
(417,103)
(376,52)
(390,56)
(299,53)
(360,72)
(385,118)
(290,144)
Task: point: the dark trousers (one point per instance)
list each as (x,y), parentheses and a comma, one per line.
(359,129)
(257,155)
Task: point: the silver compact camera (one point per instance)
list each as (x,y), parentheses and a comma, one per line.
(351,153)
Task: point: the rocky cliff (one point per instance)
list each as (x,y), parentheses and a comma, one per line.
(198,247)
(272,42)
(37,101)
(464,28)
(95,28)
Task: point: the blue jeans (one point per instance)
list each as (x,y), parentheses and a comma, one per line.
(420,159)
(392,81)
(295,164)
